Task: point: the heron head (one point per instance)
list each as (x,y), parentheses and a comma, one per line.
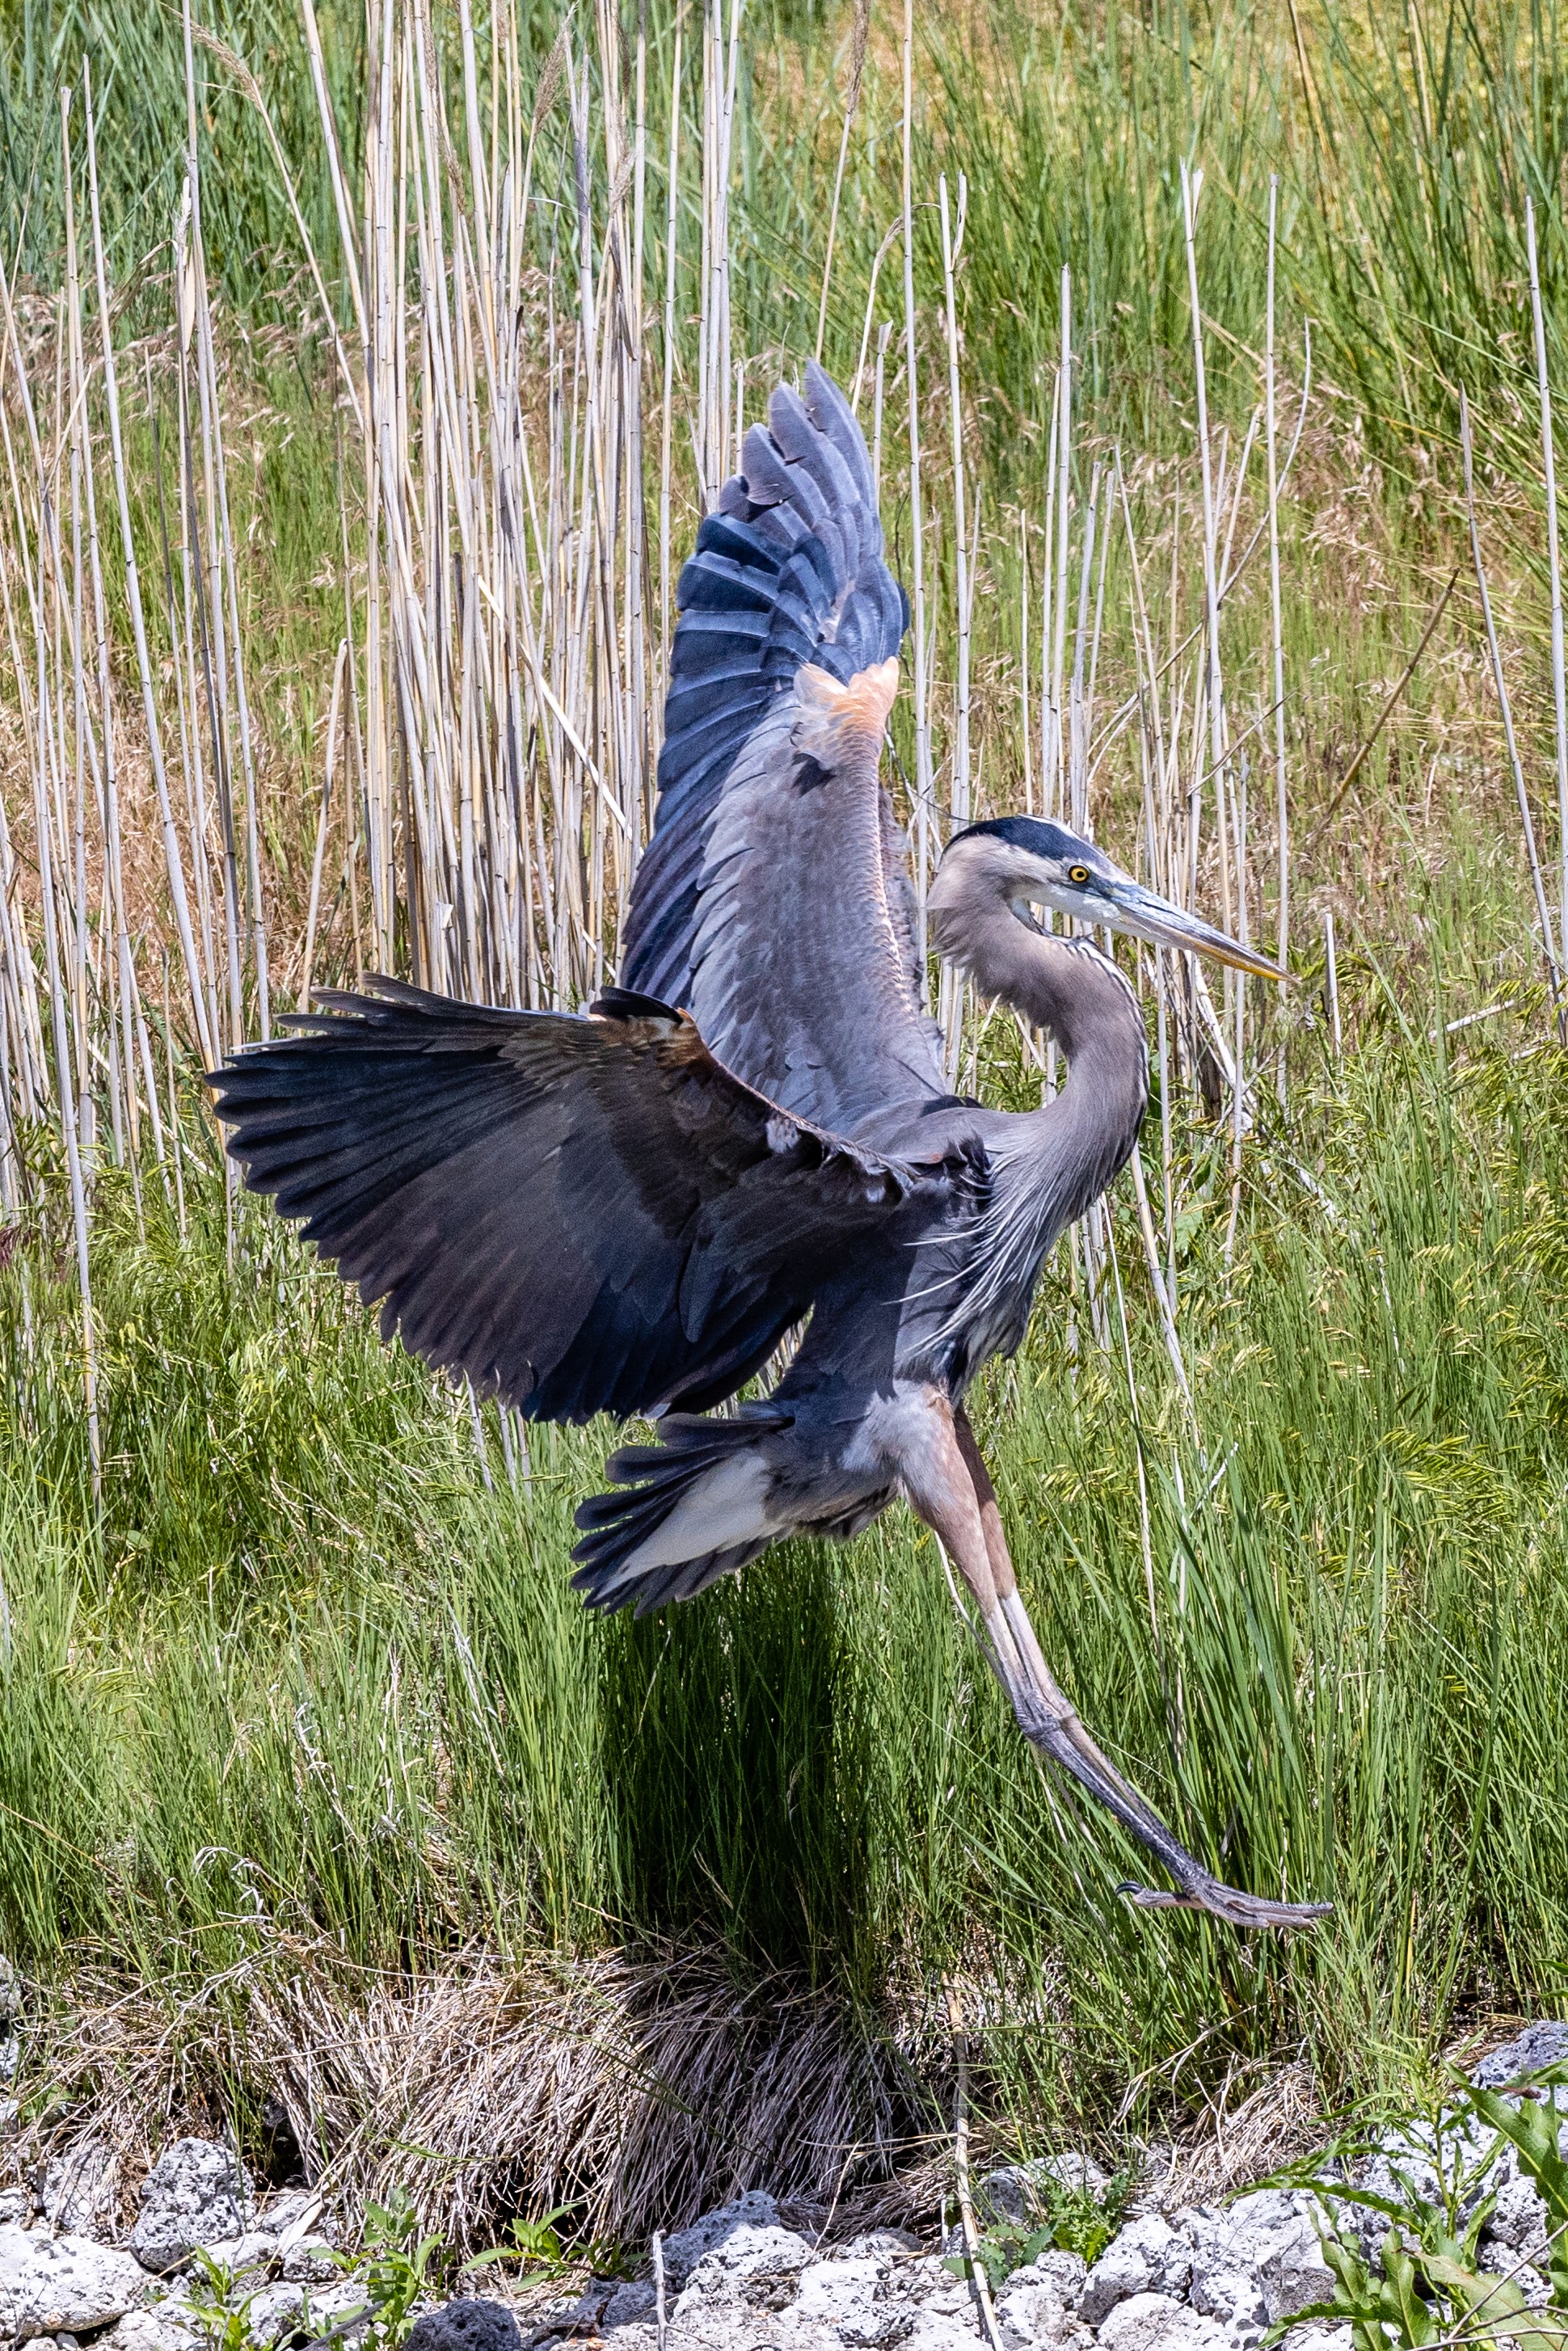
(1028,862)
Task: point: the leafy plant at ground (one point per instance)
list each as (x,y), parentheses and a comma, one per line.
(1424,2284)
(395,2265)
(1079,2220)
(537,2245)
(534,2245)
(1073,2218)
(219,2313)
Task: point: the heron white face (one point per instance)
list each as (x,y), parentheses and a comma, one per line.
(1034,862)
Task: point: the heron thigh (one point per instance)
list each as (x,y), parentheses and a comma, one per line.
(990,1509)
(941,1488)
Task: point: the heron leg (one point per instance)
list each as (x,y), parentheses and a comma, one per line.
(951,1490)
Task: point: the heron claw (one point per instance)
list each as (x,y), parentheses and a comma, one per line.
(1239,1909)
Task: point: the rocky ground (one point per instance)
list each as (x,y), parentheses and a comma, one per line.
(1192,2278)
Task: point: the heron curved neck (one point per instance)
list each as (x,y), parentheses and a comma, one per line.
(1064,986)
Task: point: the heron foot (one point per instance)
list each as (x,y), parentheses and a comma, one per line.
(1240,1910)
(1050,1723)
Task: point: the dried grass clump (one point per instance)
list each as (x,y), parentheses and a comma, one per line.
(1245,2134)
(638,2091)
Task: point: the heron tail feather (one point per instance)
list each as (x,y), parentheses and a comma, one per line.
(688,1510)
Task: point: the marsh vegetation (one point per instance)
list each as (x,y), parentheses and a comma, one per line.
(402,354)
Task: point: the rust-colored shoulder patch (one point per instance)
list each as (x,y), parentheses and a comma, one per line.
(833,717)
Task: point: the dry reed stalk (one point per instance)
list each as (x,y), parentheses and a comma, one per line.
(884,249)
(979,2280)
(1275,627)
(316,862)
(952,245)
(1555,570)
(858,40)
(206,1037)
(666,412)
(1026,730)
(925,798)
(661,2318)
(44,578)
(1527,822)
(1053,758)
(1213,704)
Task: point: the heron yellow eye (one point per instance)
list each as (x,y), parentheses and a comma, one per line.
(1078,873)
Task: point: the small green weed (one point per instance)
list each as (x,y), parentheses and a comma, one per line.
(219,2315)
(395,2265)
(538,2245)
(1072,2221)
(534,2245)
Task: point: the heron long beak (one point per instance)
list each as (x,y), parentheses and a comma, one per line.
(1148,916)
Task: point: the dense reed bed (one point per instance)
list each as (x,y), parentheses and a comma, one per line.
(362,386)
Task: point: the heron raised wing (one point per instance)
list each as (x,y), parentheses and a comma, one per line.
(774,903)
(626,1210)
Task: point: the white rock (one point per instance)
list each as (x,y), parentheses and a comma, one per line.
(938,2332)
(52,2283)
(1157,2322)
(1146,2257)
(931,2284)
(16,2207)
(1317,2334)
(1520,2219)
(758,2264)
(275,2311)
(197,2193)
(339,2302)
(884,2243)
(1034,2308)
(257,2249)
(1273,2234)
(309,2260)
(1538,2045)
(10,2056)
(292,2215)
(1067,2272)
(685,2248)
(10,1991)
(856,2299)
(80,2190)
(1237,2299)
(156,2326)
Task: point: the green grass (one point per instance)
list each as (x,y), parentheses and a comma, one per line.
(311,1660)
(1404,144)
(314,1663)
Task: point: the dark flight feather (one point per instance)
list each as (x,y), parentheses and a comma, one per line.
(583,1213)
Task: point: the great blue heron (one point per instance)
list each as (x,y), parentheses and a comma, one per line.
(628,1210)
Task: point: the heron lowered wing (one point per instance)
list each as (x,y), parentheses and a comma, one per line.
(773,902)
(583,1213)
